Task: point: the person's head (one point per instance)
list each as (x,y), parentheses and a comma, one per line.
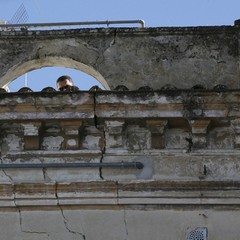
(64,83)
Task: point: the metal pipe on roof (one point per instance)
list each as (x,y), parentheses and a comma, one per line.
(34,25)
(137,165)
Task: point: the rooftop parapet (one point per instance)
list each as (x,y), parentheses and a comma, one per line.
(108,126)
(134,57)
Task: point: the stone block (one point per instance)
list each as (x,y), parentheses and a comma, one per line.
(138,138)
(221,138)
(176,138)
(71,142)
(52,143)
(31,143)
(114,134)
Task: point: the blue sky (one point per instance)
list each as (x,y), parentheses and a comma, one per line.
(155,13)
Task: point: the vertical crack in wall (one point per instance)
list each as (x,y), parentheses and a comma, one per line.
(65,220)
(117,192)
(190,144)
(100,169)
(125,224)
(17,207)
(45,175)
(4,172)
(101,53)
(103,148)
(8,176)
(21,218)
(114,38)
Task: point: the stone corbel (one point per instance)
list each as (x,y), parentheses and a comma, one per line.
(31,135)
(199,133)
(157,128)
(92,138)
(11,137)
(71,134)
(114,134)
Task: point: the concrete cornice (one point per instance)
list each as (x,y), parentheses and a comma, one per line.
(186,104)
(109,193)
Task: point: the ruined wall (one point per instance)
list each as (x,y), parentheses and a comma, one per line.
(127,165)
(183,57)
(187,141)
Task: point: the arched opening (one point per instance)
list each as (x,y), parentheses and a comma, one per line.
(47,76)
(29,73)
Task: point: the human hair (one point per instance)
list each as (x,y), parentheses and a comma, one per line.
(64,77)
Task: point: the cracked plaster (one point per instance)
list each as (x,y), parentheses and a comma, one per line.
(124,209)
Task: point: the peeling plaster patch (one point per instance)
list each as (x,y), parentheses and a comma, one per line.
(176,138)
(53,130)
(152,98)
(30,130)
(215,113)
(13,142)
(71,132)
(72,43)
(81,101)
(52,143)
(138,138)
(91,142)
(147,171)
(75,100)
(71,142)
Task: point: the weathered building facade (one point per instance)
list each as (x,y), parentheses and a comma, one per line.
(156,159)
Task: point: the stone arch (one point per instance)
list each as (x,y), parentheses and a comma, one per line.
(22,68)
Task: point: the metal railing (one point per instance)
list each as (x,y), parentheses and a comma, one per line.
(59,24)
